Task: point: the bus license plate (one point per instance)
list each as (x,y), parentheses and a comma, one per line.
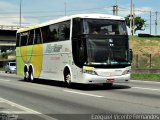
(110,80)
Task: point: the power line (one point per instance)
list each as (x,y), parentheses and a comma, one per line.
(46,11)
(73,10)
(31,16)
(59,13)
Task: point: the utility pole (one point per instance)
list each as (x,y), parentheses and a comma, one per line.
(115,9)
(150,24)
(20,14)
(156,22)
(65,7)
(131,19)
(133,13)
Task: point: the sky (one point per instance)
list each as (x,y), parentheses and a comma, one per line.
(38,11)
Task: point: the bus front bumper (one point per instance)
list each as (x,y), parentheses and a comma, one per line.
(89,78)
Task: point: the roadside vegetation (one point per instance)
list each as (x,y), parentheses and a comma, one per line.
(148,51)
(1,69)
(145,45)
(7,55)
(150,77)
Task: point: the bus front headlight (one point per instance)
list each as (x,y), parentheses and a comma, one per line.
(90,72)
(126,72)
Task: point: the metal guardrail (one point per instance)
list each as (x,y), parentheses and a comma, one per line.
(10,27)
(7,44)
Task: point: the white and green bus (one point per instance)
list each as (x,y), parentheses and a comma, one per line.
(68,49)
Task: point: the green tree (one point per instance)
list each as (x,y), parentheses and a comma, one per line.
(138,22)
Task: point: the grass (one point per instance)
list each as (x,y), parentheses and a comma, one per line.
(150,77)
(1,69)
(142,47)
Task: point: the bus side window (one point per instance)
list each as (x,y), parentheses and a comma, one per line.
(31,37)
(45,34)
(64,30)
(38,38)
(23,38)
(53,32)
(17,39)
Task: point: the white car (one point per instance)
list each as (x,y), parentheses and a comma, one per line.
(10,67)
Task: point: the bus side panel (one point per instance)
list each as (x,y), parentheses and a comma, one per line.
(76,74)
(30,55)
(23,56)
(19,62)
(36,59)
(55,57)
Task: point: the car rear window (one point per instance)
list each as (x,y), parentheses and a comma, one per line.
(12,64)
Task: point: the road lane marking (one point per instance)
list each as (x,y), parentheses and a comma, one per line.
(81,93)
(143,81)
(3,80)
(151,89)
(27,110)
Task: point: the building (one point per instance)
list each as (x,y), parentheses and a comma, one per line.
(7,38)
(7,43)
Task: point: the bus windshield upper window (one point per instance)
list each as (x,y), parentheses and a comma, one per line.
(106,27)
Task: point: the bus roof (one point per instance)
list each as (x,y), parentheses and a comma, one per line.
(27,28)
(96,16)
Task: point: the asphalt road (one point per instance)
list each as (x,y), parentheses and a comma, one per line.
(52,100)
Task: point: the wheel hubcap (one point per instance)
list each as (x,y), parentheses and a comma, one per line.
(68,78)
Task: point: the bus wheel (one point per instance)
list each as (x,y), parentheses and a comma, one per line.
(68,79)
(26,73)
(31,77)
(25,76)
(107,85)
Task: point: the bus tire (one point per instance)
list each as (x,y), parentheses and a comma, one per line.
(67,78)
(31,76)
(25,76)
(25,73)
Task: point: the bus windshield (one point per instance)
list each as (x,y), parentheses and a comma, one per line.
(107,42)
(104,42)
(109,51)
